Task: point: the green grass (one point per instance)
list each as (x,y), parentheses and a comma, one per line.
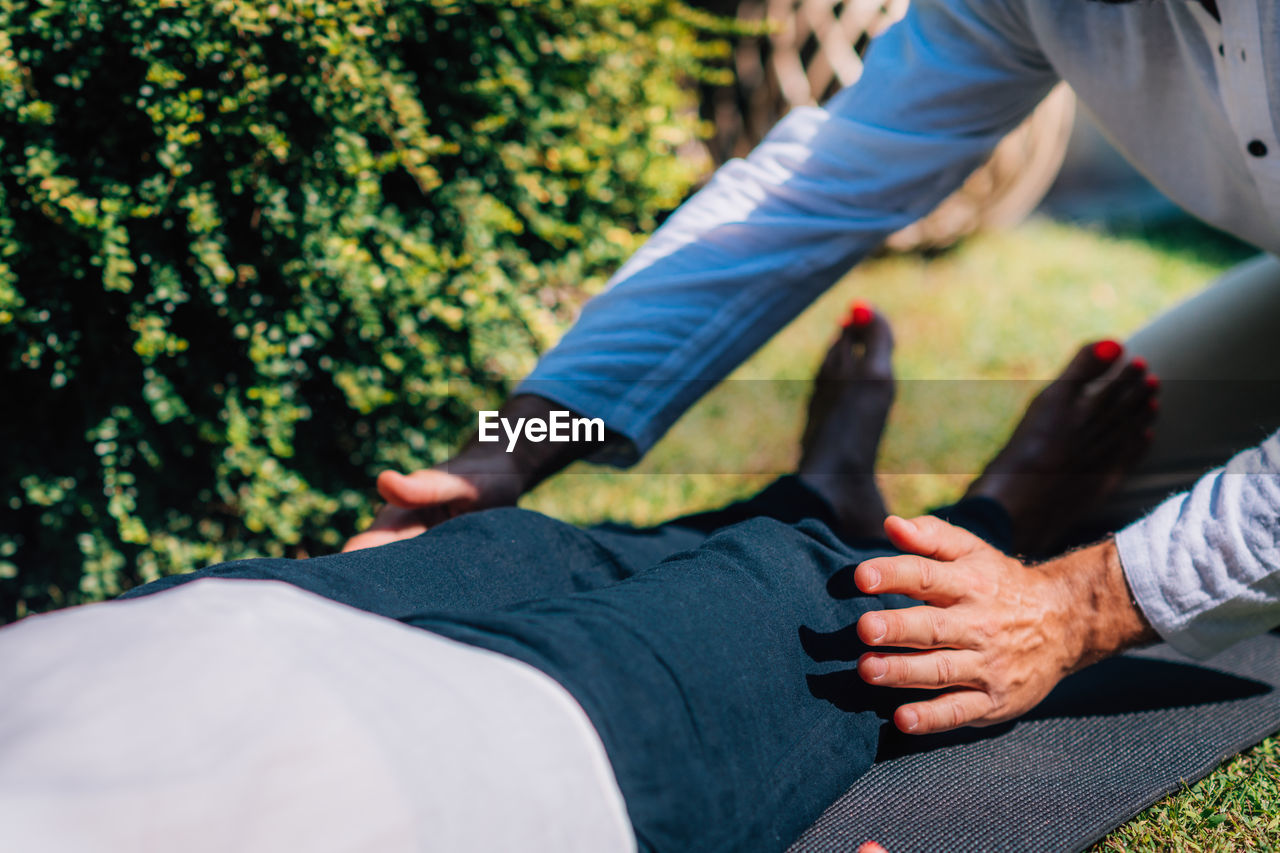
(1236,808)
(1008,306)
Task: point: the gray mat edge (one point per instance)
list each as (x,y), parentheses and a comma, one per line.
(1250,720)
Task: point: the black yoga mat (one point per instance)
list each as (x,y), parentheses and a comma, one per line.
(1109,742)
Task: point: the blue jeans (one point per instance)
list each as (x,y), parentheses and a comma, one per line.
(701,650)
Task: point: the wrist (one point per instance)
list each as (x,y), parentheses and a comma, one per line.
(486,460)
(523,462)
(1100,614)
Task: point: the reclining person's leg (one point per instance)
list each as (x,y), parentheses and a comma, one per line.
(834,482)
(701,675)
(479,560)
(694,675)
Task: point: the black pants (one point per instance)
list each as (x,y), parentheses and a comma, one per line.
(701,650)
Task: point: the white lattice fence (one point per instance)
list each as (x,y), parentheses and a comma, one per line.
(814,48)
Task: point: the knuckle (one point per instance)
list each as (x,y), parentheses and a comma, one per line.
(989,632)
(983,681)
(928,574)
(929,524)
(981,632)
(937,624)
(898,670)
(946,669)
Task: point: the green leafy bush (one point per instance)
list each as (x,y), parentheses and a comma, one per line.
(253,252)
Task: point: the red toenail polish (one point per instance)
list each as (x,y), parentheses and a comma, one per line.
(1149,434)
(1139,363)
(860,313)
(1107,350)
(1153,404)
(1152,381)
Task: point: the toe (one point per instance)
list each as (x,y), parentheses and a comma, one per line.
(872,337)
(1128,392)
(1127,383)
(1092,361)
(860,314)
(1123,410)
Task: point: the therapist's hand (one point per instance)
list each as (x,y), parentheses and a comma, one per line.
(483,475)
(995,633)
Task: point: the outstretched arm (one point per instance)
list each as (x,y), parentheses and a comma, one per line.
(756,245)
(769,233)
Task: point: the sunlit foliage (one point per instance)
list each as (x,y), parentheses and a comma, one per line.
(253,252)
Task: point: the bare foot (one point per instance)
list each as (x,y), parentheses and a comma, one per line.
(851,397)
(1075,443)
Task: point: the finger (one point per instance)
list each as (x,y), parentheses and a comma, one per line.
(929,670)
(949,711)
(374,538)
(424,488)
(914,627)
(931,537)
(919,577)
(871,847)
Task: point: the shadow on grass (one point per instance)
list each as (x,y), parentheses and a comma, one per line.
(1183,237)
(1186,237)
